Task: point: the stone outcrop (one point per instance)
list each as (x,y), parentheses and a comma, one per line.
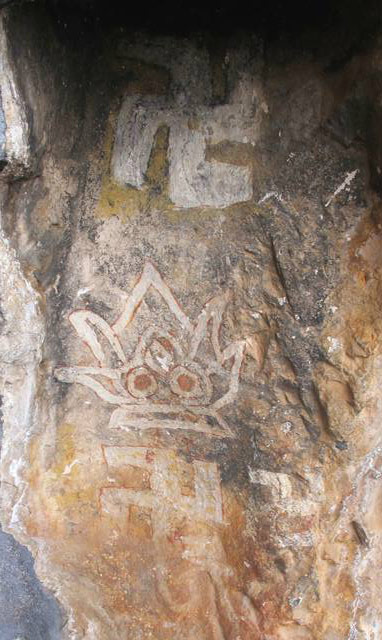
(190,265)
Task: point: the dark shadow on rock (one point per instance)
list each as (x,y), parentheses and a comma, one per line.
(27,610)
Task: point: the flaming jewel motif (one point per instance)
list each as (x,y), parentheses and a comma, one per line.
(166,383)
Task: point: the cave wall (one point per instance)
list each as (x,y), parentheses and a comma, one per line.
(190,268)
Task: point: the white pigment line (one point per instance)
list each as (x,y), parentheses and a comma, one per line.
(349,178)
(270,194)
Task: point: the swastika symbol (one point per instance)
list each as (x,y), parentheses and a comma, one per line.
(168,492)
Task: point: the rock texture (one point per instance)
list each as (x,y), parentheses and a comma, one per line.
(26,610)
(190,264)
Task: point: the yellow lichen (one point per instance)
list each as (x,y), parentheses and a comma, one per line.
(125,201)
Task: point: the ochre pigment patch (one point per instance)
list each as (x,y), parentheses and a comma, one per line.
(126,201)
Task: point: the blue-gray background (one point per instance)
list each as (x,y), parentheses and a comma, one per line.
(27,610)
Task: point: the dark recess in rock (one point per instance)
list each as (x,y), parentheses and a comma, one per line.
(27,610)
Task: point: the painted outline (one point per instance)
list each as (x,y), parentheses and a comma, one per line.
(194,414)
(164,496)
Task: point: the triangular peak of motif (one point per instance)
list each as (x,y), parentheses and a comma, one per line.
(150,277)
(212,315)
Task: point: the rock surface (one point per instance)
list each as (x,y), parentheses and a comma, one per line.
(190,266)
(26,610)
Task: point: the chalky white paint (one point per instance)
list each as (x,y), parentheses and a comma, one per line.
(196,413)
(269,195)
(194,181)
(346,183)
(281,488)
(164,496)
(334,344)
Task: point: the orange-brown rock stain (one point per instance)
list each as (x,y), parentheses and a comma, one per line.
(356,324)
(62,489)
(196,577)
(359,297)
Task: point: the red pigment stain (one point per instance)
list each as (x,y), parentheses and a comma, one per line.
(150,455)
(142,382)
(185,382)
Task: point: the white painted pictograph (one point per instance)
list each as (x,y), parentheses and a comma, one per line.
(282,496)
(194,181)
(165,498)
(166,383)
(281,487)
(195,124)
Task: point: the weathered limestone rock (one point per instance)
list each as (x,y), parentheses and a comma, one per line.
(190,264)
(14,148)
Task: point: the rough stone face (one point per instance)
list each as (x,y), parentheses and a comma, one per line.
(190,265)
(13,119)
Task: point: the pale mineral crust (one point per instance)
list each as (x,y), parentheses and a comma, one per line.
(191,332)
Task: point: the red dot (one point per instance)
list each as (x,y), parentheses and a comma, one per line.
(142,382)
(185,382)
